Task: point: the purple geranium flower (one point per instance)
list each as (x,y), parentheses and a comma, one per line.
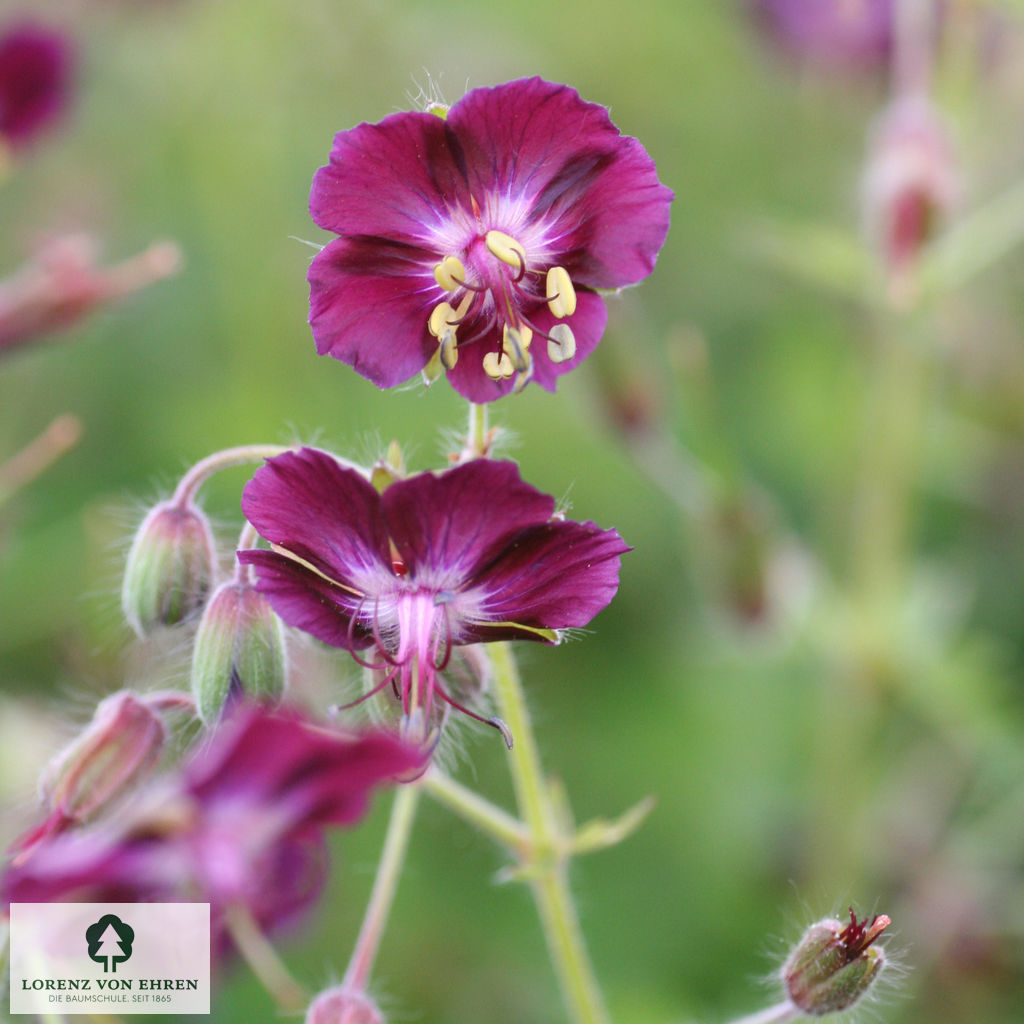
(851,32)
(467,555)
(35,80)
(242,824)
(465,238)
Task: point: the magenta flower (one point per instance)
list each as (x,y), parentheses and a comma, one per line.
(848,32)
(468,555)
(468,239)
(242,824)
(35,80)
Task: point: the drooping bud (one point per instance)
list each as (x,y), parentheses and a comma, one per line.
(239,646)
(343,1005)
(911,184)
(833,966)
(171,567)
(117,749)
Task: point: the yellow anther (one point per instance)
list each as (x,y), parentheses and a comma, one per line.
(516,342)
(450,273)
(498,366)
(448,350)
(560,292)
(442,317)
(506,248)
(561,344)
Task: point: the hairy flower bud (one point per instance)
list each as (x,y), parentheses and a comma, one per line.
(239,646)
(117,749)
(832,966)
(343,1005)
(171,566)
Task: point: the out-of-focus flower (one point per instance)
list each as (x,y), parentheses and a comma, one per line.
(911,183)
(241,825)
(239,651)
(35,80)
(63,283)
(467,555)
(833,966)
(475,242)
(830,32)
(171,567)
(119,748)
(343,1005)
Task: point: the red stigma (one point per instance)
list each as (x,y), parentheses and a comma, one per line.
(398,567)
(858,935)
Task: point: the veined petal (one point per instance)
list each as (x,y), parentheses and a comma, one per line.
(444,524)
(339,531)
(568,165)
(365,312)
(395,179)
(554,576)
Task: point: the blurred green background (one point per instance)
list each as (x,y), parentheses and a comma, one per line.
(811,742)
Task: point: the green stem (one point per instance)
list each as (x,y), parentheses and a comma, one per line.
(262,958)
(478,811)
(476,438)
(226,459)
(396,843)
(549,879)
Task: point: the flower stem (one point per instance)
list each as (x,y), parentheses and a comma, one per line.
(60,436)
(226,459)
(261,956)
(477,810)
(476,438)
(396,843)
(548,874)
(781,1014)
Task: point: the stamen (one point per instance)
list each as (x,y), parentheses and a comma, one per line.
(505,248)
(448,352)
(561,343)
(516,342)
(560,292)
(498,365)
(450,273)
(441,318)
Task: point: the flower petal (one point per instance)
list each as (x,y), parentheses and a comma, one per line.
(395,179)
(554,576)
(443,524)
(369,303)
(339,530)
(542,144)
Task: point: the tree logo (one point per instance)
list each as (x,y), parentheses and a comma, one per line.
(110,942)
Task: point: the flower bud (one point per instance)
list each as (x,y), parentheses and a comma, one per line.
(171,566)
(343,1005)
(911,183)
(117,749)
(833,966)
(239,646)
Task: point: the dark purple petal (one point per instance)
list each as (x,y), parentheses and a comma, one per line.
(316,776)
(369,306)
(600,189)
(554,576)
(587,323)
(306,601)
(35,80)
(389,179)
(339,529)
(449,521)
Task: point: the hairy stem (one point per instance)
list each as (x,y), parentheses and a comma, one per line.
(548,868)
(262,958)
(396,843)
